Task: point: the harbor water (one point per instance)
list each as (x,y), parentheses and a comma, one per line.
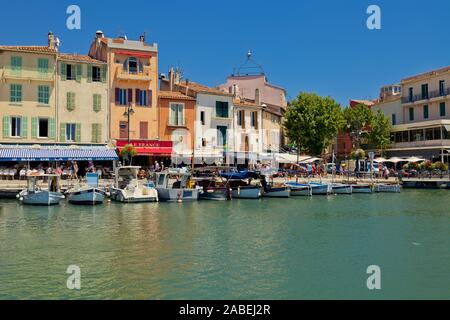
(298,248)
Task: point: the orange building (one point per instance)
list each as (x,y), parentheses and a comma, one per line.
(133,90)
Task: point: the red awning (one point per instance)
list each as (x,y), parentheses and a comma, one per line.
(152,151)
(149,148)
(134,54)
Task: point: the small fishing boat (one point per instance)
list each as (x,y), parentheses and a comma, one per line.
(241,186)
(361,188)
(321,188)
(128,189)
(274,191)
(33,195)
(339,188)
(88,195)
(181,190)
(299,189)
(211,185)
(389,188)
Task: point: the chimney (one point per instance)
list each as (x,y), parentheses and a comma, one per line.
(99,34)
(51,40)
(177,77)
(142,38)
(235,90)
(171,79)
(257,97)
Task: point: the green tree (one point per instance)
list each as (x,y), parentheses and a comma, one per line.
(357,119)
(312,122)
(380,133)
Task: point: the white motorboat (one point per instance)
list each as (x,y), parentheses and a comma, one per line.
(246,192)
(88,195)
(33,195)
(128,189)
(180,191)
(361,188)
(339,188)
(390,188)
(299,189)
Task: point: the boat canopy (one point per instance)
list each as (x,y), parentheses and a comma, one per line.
(240,175)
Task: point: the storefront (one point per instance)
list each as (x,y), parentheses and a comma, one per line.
(148,152)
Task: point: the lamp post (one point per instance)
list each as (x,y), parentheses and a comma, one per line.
(128,113)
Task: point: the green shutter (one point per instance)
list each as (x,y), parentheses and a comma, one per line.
(97,101)
(78,132)
(63,71)
(79,70)
(34,127)
(99,133)
(52,128)
(6,126)
(103,71)
(70,101)
(62,132)
(24,128)
(89,73)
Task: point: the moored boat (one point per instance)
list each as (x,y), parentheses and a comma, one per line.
(128,189)
(339,188)
(274,191)
(88,195)
(241,185)
(180,190)
(299,189)
(389,188)
(33,195)
(321,188)
(361,188)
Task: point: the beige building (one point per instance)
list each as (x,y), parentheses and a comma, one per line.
(82,98)
(28,94)
(421,116)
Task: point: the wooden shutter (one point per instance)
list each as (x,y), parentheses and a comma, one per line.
(103,73)
(89,73)
(143,130)
(63,71)
(150,98)
(6,120)
(24,128)
(243,119)
(130,95)
(117,96)
(78,132)
(98,135)
(256,120)
(62,132)
(79,72)
(94,133)
(138,97)
(51,128)
(34,127)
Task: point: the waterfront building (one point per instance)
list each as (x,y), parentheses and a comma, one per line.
(420,116)
(251,81)
(28,95)
(83,112)
(133,94)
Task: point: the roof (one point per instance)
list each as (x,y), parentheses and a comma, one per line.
(200,88)
(119,43)
(79,58)
(427,74)
(245,103)
(174,95)
(30,49)
(364,102)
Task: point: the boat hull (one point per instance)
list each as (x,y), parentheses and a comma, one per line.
(300,190)
(277,193)
(342,189)
(214,195)
(177,195)
(123,196)
(246,193)
(388,188)
(87,197)
(361,189)
(41,198)
(321,189)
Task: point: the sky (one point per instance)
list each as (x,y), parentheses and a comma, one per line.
(303,45)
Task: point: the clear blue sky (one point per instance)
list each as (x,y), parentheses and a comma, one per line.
(319,46)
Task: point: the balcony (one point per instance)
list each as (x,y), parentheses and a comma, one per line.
(30,74)
(142,75)
(176,123)
(431,95)
(445,143)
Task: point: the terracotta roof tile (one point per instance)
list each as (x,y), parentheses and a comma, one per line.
(244,103)
(174,95)
(200,88)
(31,49)
(79,58)
(427,74)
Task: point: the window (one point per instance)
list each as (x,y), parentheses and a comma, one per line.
(70,103)
(176,114)
(70,72)
(97,102)
(394,119)
(96,74)
(16,93)
(255,120)
(203,142)
(143,130)
(425,91)
(42,65)
(143,97)
(71,130)
(411,94)
(43,128)
(133,66)
(221,109)
(96,132)
(222,135)
(442,87)
(16,126)
(123,127)
(202,117)
(43,94)
(124,96)
(442,109)
(16,64)
(425,112)
(411,114)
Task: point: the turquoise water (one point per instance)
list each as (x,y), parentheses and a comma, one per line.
(297,248)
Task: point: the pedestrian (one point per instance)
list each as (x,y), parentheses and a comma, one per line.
(75,169)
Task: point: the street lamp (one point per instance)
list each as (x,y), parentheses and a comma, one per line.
(128,113)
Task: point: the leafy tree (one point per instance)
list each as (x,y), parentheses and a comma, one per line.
(380,131)
(357,120)
(313,122)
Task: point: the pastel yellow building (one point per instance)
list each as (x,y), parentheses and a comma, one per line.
(28,94)
(82,100)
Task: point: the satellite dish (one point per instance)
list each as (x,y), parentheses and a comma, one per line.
(58,42)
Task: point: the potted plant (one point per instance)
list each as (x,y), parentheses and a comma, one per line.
(128,152)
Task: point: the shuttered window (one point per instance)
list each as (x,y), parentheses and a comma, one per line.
(43,94)
(42,65)
(16,63)
(143,130)
(15,93)
(97,100)
(70,103)
(96,133)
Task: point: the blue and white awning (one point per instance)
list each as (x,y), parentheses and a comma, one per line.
(57,154)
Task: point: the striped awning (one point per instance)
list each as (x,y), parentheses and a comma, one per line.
(54,154)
